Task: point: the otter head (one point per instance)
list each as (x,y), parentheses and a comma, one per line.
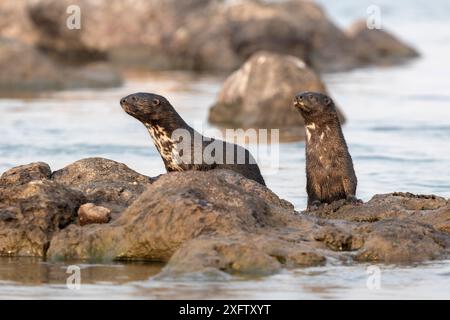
(315,107)
(147,107)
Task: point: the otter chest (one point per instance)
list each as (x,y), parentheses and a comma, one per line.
(165,145)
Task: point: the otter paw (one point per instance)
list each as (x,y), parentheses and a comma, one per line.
(353,200)
(315,205)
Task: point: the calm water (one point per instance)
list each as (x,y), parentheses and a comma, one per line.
(398,132)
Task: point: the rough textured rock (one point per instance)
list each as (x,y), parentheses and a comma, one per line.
(213,222)
(218,221)
(219,209)
(104,182)
(24,174)
(376,46)
(89,213)
(196,34)
(260,95)
(24,68)
(32,212)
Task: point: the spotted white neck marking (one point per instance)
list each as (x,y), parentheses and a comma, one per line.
(309,128)
(165,145)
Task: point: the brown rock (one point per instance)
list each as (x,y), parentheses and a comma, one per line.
(104,182)
(218,221)
(198,34)
(26,173)
(89,213)
(377,46)
(260,95)
(104,32)
(215,222)
(31,213)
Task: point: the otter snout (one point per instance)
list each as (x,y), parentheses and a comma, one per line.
(130,100)
(303,97)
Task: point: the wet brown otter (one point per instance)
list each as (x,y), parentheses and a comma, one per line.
(329,167)
(181,147)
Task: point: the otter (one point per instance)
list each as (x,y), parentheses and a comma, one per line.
(180,146)
(330,175)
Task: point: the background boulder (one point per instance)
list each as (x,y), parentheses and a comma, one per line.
(213,35)
(104,182)
(261,93)
(24,68)
(377,46)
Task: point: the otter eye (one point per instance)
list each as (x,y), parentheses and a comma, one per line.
(155,102)
(327,101)
(310,97)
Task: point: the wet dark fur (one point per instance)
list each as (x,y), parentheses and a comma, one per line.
(155,111)
(329,166)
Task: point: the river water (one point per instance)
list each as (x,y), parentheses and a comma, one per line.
(398,132)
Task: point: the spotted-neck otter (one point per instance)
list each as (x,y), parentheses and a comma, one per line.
(181,147)
(329,168)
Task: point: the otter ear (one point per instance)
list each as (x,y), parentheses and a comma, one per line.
(155,102)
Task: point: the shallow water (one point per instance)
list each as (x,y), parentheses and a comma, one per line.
(34,279)
(398,132)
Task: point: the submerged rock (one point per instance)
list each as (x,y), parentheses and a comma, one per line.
(260,95)
(212,222)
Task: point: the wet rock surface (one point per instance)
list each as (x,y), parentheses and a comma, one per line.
(211,222)
(260,95)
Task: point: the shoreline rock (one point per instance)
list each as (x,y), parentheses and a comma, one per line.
(215,221)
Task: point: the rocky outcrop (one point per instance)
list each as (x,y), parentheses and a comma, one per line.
(211,222)
(104,182)
(260,95)
(377,46)
(35,203)
(218,221)
(105,33)
(25,68)
(30,213)
(23,174)
(213,35)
